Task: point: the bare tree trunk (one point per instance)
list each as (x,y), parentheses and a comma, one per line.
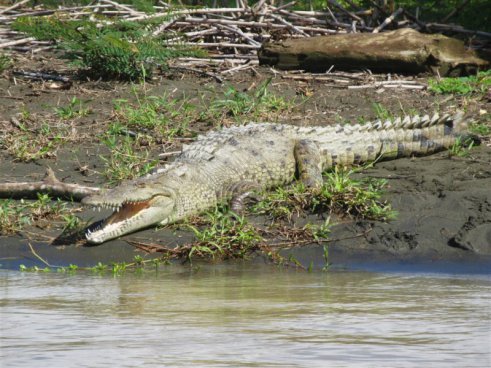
(401,51)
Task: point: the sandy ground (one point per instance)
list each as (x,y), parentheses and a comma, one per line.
(443,202)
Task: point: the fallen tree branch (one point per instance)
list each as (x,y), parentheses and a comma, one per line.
(16,42)
(42,76)
(456,29)
(394,85)
(49,185)
(347,12)
(121,6)
(388,20)
(13,7)
(240,30)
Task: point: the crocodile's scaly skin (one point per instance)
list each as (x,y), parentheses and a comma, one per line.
(225,164)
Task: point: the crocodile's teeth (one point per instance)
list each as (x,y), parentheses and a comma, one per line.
(388,124)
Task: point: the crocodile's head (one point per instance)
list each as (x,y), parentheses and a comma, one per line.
(136,205)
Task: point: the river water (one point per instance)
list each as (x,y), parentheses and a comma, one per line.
(243,316)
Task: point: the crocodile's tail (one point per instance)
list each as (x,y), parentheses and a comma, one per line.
(425,135)
(401,137)
(461,129)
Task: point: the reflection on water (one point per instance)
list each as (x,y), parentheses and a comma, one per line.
(226,316)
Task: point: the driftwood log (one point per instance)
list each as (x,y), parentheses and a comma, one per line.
(49,185)
(401,51)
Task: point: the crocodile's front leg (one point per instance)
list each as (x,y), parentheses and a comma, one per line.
(308,159)
(240,192)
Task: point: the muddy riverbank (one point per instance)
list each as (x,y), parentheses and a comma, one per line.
(443,202)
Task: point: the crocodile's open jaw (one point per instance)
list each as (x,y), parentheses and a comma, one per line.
(128,217)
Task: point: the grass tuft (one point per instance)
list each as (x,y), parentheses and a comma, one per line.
(259,102)
(5,62)
(165,116)
(15,215)
(340,193)
(36,140)
(73,110)
(224,235)
(479,83)
(126,160)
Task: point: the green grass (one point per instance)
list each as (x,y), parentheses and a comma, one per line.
(259,102)
(354,197)
(126,160)
(166,117)
(340,193)
(480,128)
(382,112)
(479,83)
(5,62)
(34,144)
(224,236)
(73,110)
(151,120)
(461,147)
(15,215)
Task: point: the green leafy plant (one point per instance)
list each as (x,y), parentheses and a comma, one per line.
(225,235)
(319,232)
(5,62)
(258,102)
(382,112)
(12,217)
(461,147)
(30,144)
(465,85)
(72,110)
(340,193)
(15,215)
(284,202)
(125,161)
(168,117)
(355,197)
(117,49)
(71,221)
(479,128)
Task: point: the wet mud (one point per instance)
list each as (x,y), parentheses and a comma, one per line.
(443,202)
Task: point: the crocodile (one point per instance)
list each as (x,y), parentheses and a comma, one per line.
(227,165)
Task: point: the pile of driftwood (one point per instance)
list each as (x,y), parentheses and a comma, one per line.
(232,36)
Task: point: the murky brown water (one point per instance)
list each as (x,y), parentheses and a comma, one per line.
(255,317)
